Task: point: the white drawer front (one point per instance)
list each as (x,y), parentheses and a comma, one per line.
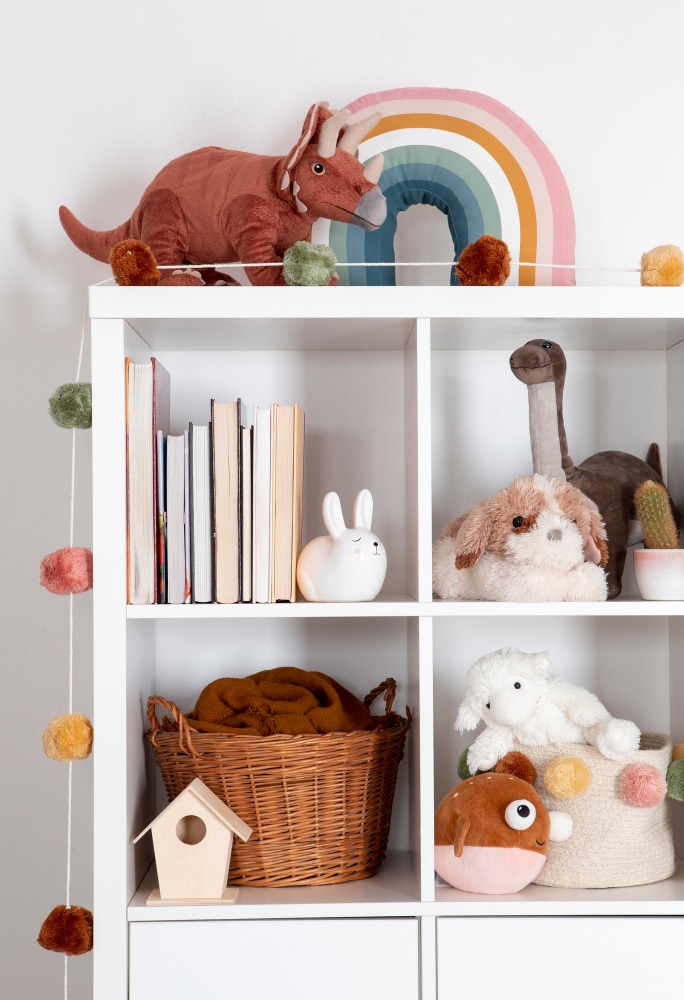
(290,959)
(574,956)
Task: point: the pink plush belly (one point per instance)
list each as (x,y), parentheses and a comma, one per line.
(491,870)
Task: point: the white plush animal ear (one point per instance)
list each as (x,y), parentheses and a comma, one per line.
(332,515)
(363,510)
(468,717)
(539,663)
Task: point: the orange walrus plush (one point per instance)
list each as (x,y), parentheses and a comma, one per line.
(492,832)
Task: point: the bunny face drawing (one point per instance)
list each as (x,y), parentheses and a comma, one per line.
(348,564)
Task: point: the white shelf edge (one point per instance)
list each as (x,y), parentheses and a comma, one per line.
(402,606)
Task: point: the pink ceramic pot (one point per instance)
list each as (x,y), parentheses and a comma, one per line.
(660,574)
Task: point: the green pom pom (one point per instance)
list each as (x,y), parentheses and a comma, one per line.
(71,405)
(462,769)
(675,780)
(308,264)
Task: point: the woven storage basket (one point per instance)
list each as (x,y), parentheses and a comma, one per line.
(319,805)
(612,843)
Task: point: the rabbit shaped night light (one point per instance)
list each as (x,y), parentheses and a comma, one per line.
(348,564)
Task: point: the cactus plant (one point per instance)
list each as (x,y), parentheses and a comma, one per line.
(653,510)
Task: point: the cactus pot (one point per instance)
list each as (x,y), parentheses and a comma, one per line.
(660,574)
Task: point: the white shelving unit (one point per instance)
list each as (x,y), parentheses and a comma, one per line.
(407,391)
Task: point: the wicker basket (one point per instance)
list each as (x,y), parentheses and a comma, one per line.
(319,805)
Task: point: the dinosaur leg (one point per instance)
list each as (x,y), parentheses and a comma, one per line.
(160,224)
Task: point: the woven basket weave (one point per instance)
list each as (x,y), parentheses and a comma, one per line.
(612,843)
(319,805)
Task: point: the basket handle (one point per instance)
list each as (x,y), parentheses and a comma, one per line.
(389,688)
(184,728)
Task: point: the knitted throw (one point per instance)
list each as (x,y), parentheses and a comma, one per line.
(284,700)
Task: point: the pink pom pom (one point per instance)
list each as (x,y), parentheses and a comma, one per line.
(642,785)
(67,571)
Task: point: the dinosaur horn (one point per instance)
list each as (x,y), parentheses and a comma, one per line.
(330,129)
(349,142)
(373,168)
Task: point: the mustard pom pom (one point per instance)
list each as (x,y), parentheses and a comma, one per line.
(663,266)
(678,751)
(68,737)
(567,777)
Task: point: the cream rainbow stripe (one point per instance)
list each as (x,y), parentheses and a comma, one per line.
(484,157)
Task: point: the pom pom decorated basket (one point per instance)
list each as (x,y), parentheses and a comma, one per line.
(619,837)
(319,805)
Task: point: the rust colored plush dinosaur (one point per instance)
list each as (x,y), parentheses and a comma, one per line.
(223,206)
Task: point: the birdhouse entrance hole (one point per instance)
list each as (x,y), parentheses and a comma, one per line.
(191,830)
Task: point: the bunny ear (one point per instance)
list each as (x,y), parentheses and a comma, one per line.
(363,510)
(332,515)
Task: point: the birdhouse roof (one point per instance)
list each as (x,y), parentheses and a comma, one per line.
(198,790)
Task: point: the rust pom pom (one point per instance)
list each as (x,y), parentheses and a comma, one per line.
(133,263)
(68,929)
(67,571)
(484,262)
(517,764)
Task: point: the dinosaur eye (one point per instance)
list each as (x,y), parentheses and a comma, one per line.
(520,814)
(517,685)
(317,168)
(518,521)
(547,345)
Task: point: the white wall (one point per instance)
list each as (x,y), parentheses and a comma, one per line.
(96,96)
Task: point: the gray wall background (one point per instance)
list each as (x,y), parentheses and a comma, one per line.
(96,97)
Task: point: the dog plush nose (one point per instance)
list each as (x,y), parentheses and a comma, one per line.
(554,535)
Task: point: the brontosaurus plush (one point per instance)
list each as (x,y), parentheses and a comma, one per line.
(224,206)
(608,478)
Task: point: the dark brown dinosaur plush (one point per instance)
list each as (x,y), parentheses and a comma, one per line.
(220,206)
(609,478)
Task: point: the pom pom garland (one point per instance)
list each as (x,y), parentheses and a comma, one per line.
(67,571)
(567,777)
(484,262)
(133,263)
(662,266)
(307,263)
(67,929)
(642,785)
(68,737)
(71,405)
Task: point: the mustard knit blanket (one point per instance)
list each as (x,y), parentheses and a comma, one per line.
(284,700)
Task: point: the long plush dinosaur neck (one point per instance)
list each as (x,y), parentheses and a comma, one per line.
(547,430)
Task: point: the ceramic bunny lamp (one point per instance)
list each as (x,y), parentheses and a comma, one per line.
(348,564)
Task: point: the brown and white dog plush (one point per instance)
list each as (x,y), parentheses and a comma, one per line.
(539,539)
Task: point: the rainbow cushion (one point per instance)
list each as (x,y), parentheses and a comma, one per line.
(478,163)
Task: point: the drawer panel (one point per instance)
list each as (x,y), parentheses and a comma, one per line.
(574,956)
(290,959)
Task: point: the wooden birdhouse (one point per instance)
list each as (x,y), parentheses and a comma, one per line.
(193,840)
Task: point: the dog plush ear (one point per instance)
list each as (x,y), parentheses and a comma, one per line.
(468,717)
(473,535)
(598,536)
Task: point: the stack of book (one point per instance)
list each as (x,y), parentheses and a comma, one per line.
(215,513)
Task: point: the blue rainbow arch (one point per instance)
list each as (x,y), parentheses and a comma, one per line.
(419,175)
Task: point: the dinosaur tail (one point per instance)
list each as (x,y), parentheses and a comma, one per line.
(653,459)
(95,244)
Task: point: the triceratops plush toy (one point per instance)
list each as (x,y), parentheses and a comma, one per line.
(223,206)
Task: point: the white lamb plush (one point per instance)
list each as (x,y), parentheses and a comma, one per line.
(520,702)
